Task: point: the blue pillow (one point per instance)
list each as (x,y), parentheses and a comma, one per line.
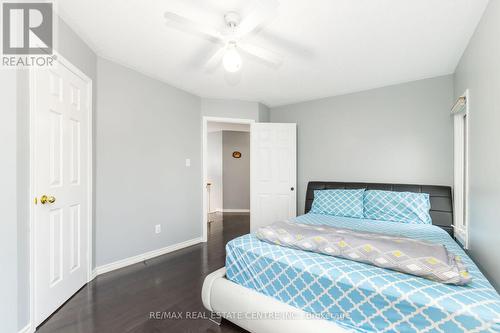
(406,207)
(348,203)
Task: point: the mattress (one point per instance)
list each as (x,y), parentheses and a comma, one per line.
(361,297)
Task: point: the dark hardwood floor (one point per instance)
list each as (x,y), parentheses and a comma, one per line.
(123,300)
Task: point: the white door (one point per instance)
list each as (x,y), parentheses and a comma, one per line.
(61,107)
(273,173)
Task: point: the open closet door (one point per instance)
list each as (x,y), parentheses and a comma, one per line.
(273,173)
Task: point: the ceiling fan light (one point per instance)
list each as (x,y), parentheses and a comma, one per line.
(232,60)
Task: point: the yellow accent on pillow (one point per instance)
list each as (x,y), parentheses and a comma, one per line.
(397,253)
(432,260)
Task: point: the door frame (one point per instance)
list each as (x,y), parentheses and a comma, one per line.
(204,137)
(32,188)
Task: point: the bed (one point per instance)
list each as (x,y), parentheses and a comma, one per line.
(347,296)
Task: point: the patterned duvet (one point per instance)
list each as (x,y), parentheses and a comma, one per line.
(361,297)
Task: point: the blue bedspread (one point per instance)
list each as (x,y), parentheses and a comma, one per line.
(365,298)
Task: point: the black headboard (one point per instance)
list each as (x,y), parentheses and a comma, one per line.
(440,196)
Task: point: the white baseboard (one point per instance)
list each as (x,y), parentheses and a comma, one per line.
(145,256)
(230,210)
(26,329)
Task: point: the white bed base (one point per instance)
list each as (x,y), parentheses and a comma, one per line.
(239,305)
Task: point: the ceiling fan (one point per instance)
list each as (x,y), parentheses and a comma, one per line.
(232,39)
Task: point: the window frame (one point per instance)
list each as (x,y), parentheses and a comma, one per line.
(461,136)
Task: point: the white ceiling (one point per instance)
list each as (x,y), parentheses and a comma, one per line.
(331,47)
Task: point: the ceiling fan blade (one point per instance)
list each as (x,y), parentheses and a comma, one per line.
(179,22)
(264,10)
(261,53)
(215,60)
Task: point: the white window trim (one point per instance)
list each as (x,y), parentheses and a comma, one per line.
(460,112)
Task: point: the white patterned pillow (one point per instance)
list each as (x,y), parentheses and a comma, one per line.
(406,207)
(348,203)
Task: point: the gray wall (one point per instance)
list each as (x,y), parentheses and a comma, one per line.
(400,134)
(71,47)
(213,107)
(145,131)
(264,113)
(236,177)
(479,71)
(8,225)
(23,202)
(214,170)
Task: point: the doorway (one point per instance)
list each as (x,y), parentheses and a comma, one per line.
(226,170)
(60,186)
(273,172)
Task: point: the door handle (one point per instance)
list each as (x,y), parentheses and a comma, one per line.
(47,199)
(292,189)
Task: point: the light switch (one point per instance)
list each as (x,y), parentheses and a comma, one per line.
(188,162)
